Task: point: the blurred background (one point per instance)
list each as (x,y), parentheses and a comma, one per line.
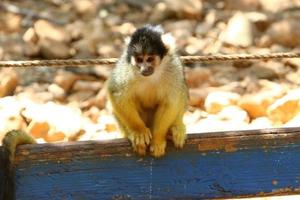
(67,104)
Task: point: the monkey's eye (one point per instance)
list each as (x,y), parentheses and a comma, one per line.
(150,59)
(139,59)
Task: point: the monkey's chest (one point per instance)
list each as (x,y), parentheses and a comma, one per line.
(149,95)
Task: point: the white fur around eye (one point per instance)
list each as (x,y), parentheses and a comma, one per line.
(132,61)
(127,40)
(169,41)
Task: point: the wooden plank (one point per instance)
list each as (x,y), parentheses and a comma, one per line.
(212,165)
(1,170)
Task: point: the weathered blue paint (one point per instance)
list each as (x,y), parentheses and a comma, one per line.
(179,175)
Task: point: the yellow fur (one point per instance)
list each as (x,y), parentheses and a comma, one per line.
(147,108)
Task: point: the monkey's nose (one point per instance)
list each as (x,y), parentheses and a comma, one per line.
(147,71)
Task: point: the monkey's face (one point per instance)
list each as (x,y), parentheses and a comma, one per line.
(146,50)
(146,64)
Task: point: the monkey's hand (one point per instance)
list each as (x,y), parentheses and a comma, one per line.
(178,135)
(140,140)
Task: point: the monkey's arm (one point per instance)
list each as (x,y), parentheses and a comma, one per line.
(168,116)
(131,123)
(10,142)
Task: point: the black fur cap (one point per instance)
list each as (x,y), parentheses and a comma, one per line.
(146,40)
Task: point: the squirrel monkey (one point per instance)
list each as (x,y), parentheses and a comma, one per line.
(148,93)
(10,142)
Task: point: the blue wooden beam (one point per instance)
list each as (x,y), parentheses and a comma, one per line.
(213,165)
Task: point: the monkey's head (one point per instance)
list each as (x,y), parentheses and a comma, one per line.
(146,49)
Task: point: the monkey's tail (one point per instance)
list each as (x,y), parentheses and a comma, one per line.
(10,142)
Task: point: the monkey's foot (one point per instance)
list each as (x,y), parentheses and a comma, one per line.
(140,141)
(141,150)
(178,133)
(158,149)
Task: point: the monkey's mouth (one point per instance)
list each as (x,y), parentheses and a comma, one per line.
(147,71)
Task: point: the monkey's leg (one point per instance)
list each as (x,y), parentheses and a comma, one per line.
(178,131)
(130,136)
(163,119)
(133,126)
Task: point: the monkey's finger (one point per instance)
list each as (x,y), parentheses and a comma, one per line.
(147,139)
(178,136)
(158,149)
(141,150)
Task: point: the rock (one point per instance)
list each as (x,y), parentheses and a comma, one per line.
(106,50)
(259,19)
(103,71)
(260,123)
(239,31)
(107,122)
(85,8)
(65,79)
(31,50)
(264,71)
(243,5)
(101,98)
(51,49)
(10,22)
(285,32)
(293,77)
(159,12)
(191,9)
(57,91)
(9,80)
(76,29)
(212,123)
(203,28)
(93,113)
(265,41)
(285,108)
(1,53)
(197,97)
(198,77)
(52,121)
(195,45)
(81,96)
(191,117)
(46,30)
(94,86)
(233,113)
(293,62)
(125,29)
(181,30)
(38,129)
(256,104)
(294,122)
(224,74)
(30,36)
(280,5)
(84,48)
(54,135)
(218,100)
(35,92)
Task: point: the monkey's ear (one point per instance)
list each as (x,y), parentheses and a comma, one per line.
(169,41)
(127,41)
